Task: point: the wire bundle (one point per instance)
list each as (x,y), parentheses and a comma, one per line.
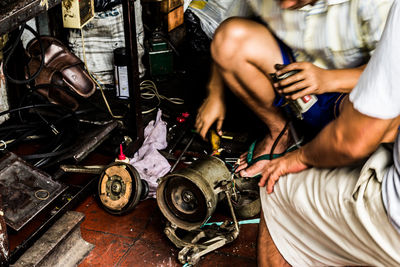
(148,90)
(49,124)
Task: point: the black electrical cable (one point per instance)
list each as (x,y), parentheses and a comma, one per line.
(11,52)
(22,137)
(17,127)
(54,146)
(21,102)
(28,107)
(41,162)
(46,155)
(32,130)
(61,146)
(58,145)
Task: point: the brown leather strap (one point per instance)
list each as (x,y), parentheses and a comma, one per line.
(59,58)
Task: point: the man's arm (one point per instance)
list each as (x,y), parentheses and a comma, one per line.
(314,80)
(349,138)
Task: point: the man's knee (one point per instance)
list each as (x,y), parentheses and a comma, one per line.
(230,38)
(239,40)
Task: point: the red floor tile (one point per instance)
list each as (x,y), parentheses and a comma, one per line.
(108,250)
(245,244)
(84,205)
(216,259)
(145,209)
(149,253)
(155,228)
(99,220)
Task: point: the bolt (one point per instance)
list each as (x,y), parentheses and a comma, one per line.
(187,196)
(116,187)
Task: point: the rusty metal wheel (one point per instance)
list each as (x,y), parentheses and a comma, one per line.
(120,188)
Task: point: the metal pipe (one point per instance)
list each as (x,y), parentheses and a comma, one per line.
(134,120)
(94,169)
(183,152)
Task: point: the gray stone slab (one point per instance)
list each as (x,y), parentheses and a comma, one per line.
(61,245)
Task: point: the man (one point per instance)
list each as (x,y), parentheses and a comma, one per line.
(349,215)
(331,41)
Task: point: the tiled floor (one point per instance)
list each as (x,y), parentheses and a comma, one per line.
(137,239)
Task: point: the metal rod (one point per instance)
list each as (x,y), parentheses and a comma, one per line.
(176,142)
(183,152)
(135,120)
(228,196)
(94,169)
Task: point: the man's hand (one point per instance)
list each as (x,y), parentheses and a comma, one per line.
(309,80)
(212,109)
(290,163)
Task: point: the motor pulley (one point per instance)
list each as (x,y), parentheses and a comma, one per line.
(120,188)
(189,196)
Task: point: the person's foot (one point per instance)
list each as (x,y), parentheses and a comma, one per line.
(261,148)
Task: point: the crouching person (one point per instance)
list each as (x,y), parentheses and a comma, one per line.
(336,200)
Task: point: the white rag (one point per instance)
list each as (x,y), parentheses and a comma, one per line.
(150,164)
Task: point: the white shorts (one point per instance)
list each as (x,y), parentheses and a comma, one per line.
(333,216)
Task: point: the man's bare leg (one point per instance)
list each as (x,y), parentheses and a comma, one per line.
(245,52)
(267,252)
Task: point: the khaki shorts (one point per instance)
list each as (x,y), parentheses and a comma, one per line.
(333,216)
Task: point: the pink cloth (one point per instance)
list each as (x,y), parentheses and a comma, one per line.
(150,164)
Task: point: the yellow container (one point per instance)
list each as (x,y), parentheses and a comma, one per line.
(77,13)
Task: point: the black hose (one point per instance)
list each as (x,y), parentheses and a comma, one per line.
(27,107)
(11,51)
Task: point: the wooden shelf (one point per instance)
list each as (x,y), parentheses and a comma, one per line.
(16,13)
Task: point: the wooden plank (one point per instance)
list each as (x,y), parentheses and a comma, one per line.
(24,10)
(175,18)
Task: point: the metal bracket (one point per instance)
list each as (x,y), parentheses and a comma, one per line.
(206,239)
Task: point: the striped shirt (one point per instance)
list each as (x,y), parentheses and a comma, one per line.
(331,34)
